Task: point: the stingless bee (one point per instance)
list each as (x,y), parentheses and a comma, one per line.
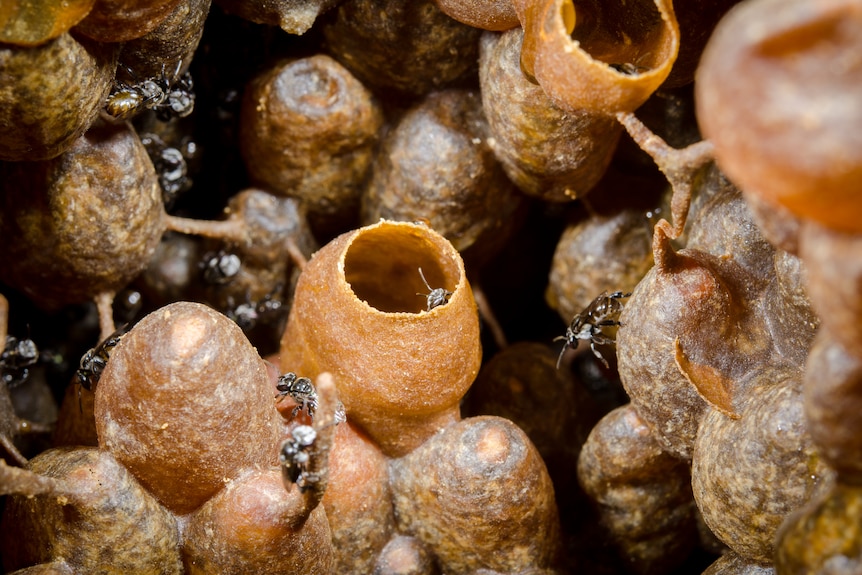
(218,268)
(301,390)
(169,99)
(171,167)
(179,101)
(294,456)
(249,314)
(94,361)
(17,358)
(629,69)
(587,325)
(435,296)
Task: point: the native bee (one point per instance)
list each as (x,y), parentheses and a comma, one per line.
(168,99)
(629,69)
(435,296)
(218,268)
(248,314)
(171,166)
(179,101)
(301,390)
(94,361)
(16,359)
(587,325)
(294,456)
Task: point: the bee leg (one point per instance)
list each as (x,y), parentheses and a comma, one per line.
(602,339)
(598,354)
(296,410)
(166,85)
(566,346)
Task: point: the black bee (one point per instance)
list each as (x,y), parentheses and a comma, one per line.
(179,100)
(435,296)
(628,68)
(220,267)
(602,312)
(17,358)
(244,315)
(248,314)
(294,456)
(269,305)
(128,100)
(94,361)
(632,68)
(171,167)
(301,390)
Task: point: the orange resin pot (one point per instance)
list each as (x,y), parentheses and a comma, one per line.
(361,313)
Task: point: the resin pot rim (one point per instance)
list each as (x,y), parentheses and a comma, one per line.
(360,313)
(360,251)
(576,78)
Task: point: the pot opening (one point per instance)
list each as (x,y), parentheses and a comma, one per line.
(624,34)
(382,267)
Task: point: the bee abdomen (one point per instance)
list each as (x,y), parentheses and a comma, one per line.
(123,104)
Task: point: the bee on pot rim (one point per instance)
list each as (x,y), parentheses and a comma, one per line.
(168,98)
(218,268)
(435,296)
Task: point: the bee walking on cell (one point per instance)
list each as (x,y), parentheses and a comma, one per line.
(298,450)
(93,362)
(172,98)
(301,390)
(219,268)
(295,457)
(587,325)
(17,358)
(171,166)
